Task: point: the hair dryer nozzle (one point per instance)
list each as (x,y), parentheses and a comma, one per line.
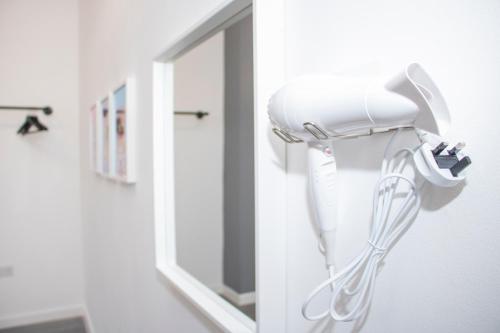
(415,84)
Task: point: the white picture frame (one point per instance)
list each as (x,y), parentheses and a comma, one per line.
(109,162)
(122,143)
(99,138)
(103,120)
(93,139)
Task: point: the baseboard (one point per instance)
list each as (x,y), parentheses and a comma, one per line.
(29,318)
(87,320)
(237,298)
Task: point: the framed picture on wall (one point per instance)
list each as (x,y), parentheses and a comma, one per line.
(105,136)
(93,139)
(123,137)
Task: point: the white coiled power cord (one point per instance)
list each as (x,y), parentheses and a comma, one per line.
(354,285)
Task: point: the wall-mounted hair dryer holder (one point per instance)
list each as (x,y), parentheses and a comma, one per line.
(327,107)
(439,166)
(321,134)
(319,109)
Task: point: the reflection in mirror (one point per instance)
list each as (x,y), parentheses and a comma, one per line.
(214,164)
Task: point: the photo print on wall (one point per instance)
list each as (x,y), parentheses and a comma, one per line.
(120,102)
(123,132)
(105,136)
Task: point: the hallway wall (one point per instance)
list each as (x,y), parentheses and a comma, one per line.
(124,292)
(40,231)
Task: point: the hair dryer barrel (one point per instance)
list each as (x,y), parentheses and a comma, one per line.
(339,105)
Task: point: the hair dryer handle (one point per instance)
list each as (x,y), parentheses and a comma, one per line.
(323,192)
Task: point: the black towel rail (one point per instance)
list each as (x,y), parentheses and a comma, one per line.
(199,113)
(45,109)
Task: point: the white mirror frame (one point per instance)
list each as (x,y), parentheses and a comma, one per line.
(270,171)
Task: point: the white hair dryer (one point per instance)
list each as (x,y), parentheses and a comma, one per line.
(317,109)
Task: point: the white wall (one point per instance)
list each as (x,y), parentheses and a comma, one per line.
(199,153)
(443,276)
(123,290)
(40,229)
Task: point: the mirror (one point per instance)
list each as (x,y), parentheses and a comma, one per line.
(214,164)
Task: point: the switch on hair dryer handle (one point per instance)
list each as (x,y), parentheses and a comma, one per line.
(323,192)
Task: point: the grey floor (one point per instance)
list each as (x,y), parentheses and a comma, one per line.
(249,309)
(72,325)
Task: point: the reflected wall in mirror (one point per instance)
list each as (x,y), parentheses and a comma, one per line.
(214,164)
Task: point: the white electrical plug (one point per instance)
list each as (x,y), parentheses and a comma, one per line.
(439,164)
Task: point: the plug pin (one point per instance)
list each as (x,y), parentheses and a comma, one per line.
(442,146)
(457,148)
(460,166)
